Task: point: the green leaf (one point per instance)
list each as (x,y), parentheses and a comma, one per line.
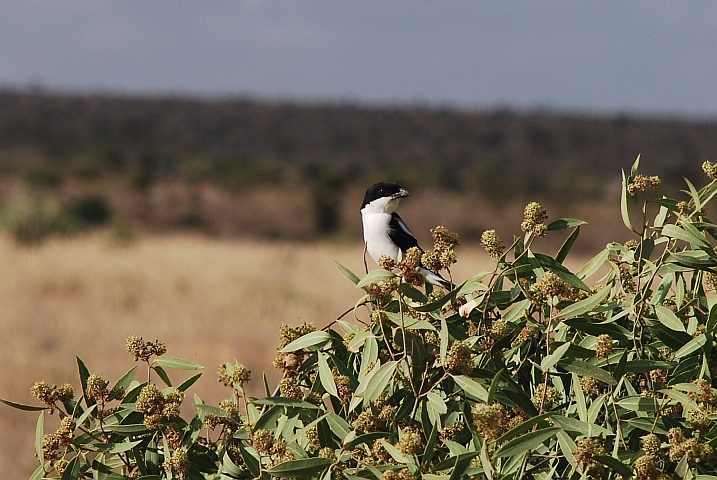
(378,382)
(635,166)
(281,402)
(524,443)
(472,388)
(84,375)
(188,382)
(38,474)
(587,370)
(463,461)
(163,375)
(563,223)
(176,363)
(311,340)
(374,276)
(696,240)
(494,386)
(638,404)
(300,468)
(366,438)
(327,378)
(72,470)
(615,465)
(443,337)
(523,427)
(584,306)
(669,319)
(113,447)
(692,346)
(593,265)
(39,435)
(567,245)
(126,379)
(394,452)
(21,406)
(644,366)
(554,357)
(573,425)
(133,429)
(347,273)
(623,204)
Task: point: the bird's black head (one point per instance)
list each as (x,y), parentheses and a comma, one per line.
(383,190)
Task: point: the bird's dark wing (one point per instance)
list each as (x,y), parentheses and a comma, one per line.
(400,234)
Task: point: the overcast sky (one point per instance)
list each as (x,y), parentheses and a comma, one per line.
(607,56)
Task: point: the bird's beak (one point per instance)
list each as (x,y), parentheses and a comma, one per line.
(401,194)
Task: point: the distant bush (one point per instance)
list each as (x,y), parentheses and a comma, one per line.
(29,218)
(94,209)
(522,372)
(43,176)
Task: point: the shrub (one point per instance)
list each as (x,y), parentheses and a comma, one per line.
(521,372)
(29,218)
(92,209)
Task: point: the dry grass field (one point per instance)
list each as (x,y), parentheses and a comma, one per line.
(211,301)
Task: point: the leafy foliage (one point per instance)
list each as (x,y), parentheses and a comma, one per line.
(522,372)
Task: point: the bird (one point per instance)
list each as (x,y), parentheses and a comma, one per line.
(384,231)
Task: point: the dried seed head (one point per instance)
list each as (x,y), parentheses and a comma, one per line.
(710,169)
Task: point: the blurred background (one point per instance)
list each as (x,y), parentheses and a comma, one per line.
(189,172)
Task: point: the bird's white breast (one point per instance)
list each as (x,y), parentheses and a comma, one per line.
(375,234)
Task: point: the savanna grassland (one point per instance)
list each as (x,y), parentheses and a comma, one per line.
(210,301)
(207,224)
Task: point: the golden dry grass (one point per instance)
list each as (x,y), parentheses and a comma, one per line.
(210,301)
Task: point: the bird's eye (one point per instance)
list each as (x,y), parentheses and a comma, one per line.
(382,191)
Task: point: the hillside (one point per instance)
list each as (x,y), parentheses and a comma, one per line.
(171,162)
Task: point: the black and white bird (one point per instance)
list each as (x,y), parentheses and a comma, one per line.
(385,232)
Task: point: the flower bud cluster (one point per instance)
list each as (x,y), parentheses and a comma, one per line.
(53,443)
(646,467)
(710,169)
(234,375)
(681,446)
(50,395)
(411,442)
(410,267)
(545,397)
(442,255)
(549,286)
(492,243)
(142,350)
(459,358)
(603,346)
(403,474)
(651,444)
(156,406)
(177,463)
(640,183)
(490,420)
(534,217)
(290,362)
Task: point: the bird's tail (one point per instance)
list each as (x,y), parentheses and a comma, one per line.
(436,279)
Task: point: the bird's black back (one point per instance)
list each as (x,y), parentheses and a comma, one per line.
(379,190)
